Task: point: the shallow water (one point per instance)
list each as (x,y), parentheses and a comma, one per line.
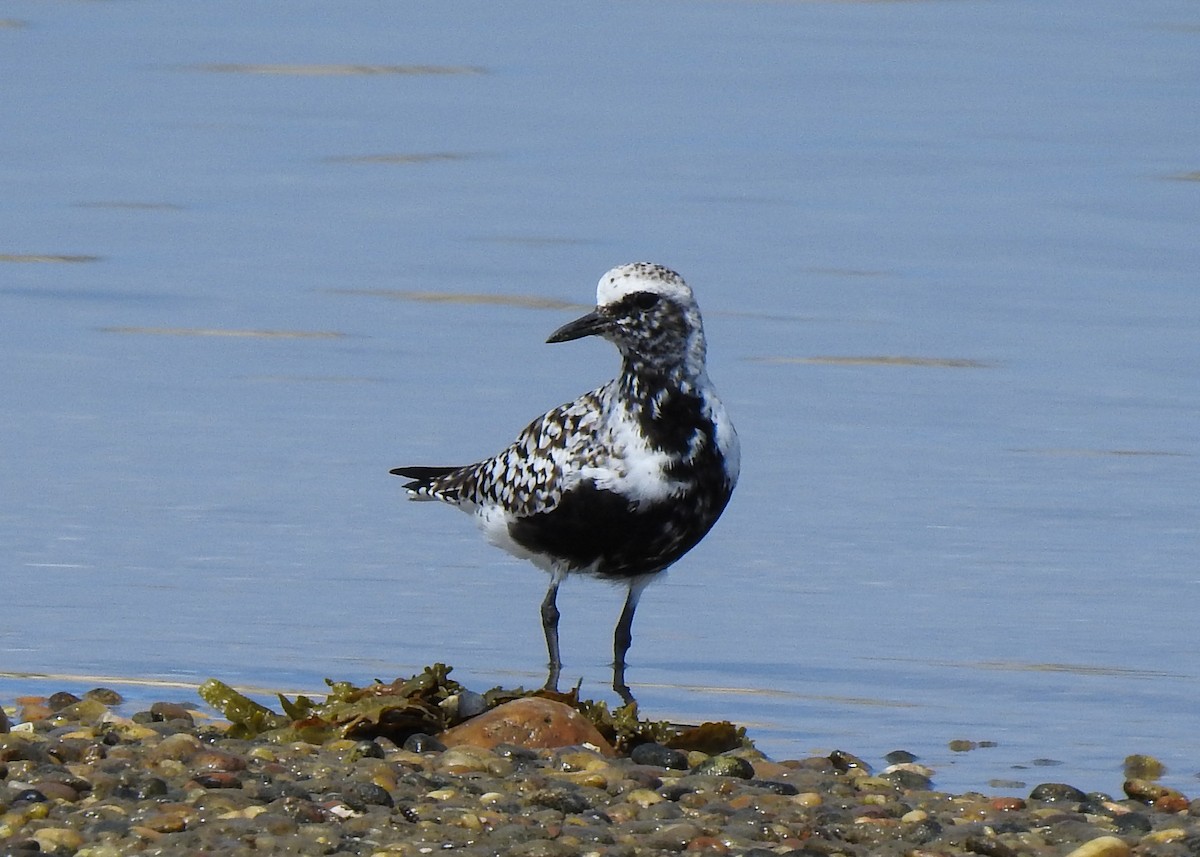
(947,256)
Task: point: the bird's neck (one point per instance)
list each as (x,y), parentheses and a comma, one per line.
(641,382)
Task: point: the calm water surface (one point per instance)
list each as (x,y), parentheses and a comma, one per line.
(993,538)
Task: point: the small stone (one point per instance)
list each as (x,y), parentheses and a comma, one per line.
(217,780)
(1161,837)
(530,722)
(105,696)
(217,760)
(167,711)
(463,706)
(57,791)
(988,846)
(961,745)
(900,757)
(180,747)
(775,787)
(419,742)
(1102,846)
(1148,792)
(707,844)
(468,759)
(1007,804)
(725,766)
(59,701)
(1132,823)
(1141,767)
(659,756)
(29,796)
(907,779)
(1057,793)
(847,762)
(563,800)
(359,796)
(365,750)
(644,797)
(57,839)
(87,710)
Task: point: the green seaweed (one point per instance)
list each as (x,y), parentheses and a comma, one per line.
(406,706)
(248,718)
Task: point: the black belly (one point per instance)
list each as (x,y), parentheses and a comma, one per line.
(592,525)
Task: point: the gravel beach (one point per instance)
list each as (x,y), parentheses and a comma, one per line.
(78,778)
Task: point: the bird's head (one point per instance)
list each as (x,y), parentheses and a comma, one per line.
(650,314)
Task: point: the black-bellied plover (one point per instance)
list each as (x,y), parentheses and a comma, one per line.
(622,481)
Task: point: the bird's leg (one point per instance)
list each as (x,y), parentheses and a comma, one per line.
(622,639)
(550,616)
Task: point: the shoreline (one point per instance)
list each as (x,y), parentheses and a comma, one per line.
(80,779)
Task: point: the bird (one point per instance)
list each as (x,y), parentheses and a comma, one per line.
(624,480)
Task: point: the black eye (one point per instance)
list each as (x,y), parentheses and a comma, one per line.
(645,300)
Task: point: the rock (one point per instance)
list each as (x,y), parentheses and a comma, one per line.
(658,756)
(532,723)
(1148,792)
(847,762)
(1102,846)
(725,766)
(163,711)
(1140,767)
(104,695)
(1007,804)
(1057,793)
(419,742)
(463,706)
(60,839)
(365,750)
(217,760)
(179,747)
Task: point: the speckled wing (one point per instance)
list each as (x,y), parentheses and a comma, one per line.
(531,474)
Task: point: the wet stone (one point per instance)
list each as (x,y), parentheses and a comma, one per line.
(843,761)
(659,756)
(105,696)
(1057,793)
(419,742)
(218,780)
(1131,823)
(775,787)
(562,800)
(60,700)
(359,796)
(908,780)
(900,757)
(988,846)
(366,750)
(725,766)
(164,711)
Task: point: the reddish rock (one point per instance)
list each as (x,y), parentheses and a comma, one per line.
(1007,804)
(532,722)
(217,760)
(33,711)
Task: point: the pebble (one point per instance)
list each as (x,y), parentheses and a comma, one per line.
(169,787)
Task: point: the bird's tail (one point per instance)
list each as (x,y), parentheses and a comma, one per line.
(423,479)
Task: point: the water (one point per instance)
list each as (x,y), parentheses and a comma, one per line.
(996,541)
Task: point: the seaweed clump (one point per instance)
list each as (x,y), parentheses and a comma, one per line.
(430,702)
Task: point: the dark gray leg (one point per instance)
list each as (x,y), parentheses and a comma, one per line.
(622,639)
(550,616)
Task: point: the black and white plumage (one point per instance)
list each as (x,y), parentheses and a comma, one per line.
(623,481)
